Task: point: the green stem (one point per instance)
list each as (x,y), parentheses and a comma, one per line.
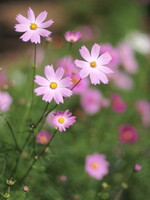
(37,158)
(11,131)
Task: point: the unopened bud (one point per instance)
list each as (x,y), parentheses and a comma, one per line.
(25,188)
(10,182)
(137,167)
(6,195)
(124,185)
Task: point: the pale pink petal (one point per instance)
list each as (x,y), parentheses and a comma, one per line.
(41,17)
(66,82)
(35,38)
(41,90)
(81,63)
(95,51)
(22,20)
(105,70)
(85,53)
(21,27)
(59,73)
(102,77)
(26,36)
(46,24)
(104,59)
(58,97)
(84,73)
(94,78)
(48,97)
(41,81)
(31,15)
(44,33)
(66,92)
(49,72)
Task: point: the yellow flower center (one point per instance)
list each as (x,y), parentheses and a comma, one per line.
(43,139)
(93,64)
(72,39)
(33,26)
(61,120)
(53,85)
(127,135)
(95,165)
(75,80)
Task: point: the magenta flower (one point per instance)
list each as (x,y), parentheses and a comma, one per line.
(73,36)
(63,120)
(138,167)
(114,54)
(92,100)
(96,165)
(94,64)
(53,86)
(43,137)
(118,104)
(5,101)
(127,133)
(33,27)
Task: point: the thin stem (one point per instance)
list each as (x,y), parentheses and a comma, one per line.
(37,157)
(12,132)
(76,84)
(32,86)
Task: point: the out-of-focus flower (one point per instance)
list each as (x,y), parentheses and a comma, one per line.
(5,101)
(127,58)
(43,137)
(25,188)
(92,100)
(68,65)
(53,86)
(137,167)
(118,104)
(63,178)
(73,36)
(114,55)
(127,133)
(63,120)
(139,41)
(94,64)
(33,27)
(96,165)
(80,86)
(143,107)
(122,80)
(89,32)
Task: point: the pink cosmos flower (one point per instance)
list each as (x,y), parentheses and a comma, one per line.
(92,100)
(68,64)
(53,86)
(25,188)
(114,54)
(127,133)
(73,36)
(137,167)
(143,107)
(94,64)
(122,80)
(81,86)
(63,178)
(63,120)
(118,104)
(43,137)
(127,58)
(96,165)
(33,27)
(5,101)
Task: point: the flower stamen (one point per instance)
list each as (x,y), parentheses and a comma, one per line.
(53,85)
(61,120)
(95,165)
(93,64)
(33,26)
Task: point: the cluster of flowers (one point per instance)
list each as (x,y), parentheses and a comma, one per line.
(71,76)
